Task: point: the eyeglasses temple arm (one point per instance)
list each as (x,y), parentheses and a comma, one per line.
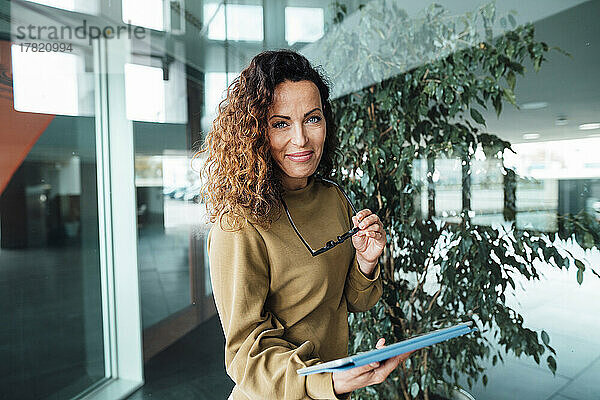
(344,193)
(296,229)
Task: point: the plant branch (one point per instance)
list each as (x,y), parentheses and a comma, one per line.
(425,76)
(403,383)
(386,131)
(435,296)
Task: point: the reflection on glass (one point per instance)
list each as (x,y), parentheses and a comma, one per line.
(149,97)
(556,177)
(487,190)
(568,159)
(170,211)
(84,6)
(552,178)
(303,24)
(51,332)
(144,93)
(48,82)
(147,13)
(216,89)
(243,22)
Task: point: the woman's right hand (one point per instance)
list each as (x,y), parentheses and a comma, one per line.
(370,374)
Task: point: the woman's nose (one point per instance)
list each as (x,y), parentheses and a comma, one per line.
(299,138)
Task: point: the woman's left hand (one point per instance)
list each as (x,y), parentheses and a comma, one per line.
(369,241)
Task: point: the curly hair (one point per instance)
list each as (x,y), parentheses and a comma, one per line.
(241,180)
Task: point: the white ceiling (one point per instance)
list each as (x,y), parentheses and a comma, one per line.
(570,85)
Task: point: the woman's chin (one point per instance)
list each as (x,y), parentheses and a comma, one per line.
(300,171)
(301,174)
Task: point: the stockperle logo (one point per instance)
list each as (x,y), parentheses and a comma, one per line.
(91,32)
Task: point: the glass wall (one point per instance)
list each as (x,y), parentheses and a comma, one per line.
(51,325)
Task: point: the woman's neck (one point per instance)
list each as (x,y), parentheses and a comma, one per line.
(294,183)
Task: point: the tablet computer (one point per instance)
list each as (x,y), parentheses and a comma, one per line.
(367,357)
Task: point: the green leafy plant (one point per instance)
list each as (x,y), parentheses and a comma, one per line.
(438,272)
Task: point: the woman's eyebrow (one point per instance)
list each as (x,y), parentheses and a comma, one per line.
(286,117)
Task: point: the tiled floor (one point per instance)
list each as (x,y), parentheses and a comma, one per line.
(50,323)
(163,259)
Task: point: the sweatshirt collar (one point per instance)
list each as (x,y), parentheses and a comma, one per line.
(300,192)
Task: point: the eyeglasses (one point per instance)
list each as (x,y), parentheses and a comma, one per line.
(332,243)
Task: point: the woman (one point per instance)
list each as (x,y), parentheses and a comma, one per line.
(282,308)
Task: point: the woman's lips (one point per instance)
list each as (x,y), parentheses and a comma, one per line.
(301,156)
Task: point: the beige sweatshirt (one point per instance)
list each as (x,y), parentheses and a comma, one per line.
(282,309)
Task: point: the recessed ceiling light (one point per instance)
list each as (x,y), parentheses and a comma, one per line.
(561,120)
(531,136)
(534,105)
(590,126)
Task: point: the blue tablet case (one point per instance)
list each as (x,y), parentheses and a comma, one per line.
(392,350)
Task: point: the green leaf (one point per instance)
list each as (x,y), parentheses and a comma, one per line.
(358,339)
(580,265)
(510,96)
(485,380)
(552,364)
(545,338)
(580,276)
(512,20)
(414,389)
(497,104)
(477,116)
(537,62)
(511,79)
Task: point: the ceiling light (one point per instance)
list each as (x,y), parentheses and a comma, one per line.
(590,126)
(531,136)
(561,121)
(534,105)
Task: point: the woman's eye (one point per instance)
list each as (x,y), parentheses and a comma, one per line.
(279,124)
(316,118)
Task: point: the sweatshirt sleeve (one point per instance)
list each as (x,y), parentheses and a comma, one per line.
(259,360)
(361,292)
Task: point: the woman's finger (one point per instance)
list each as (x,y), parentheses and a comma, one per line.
(373,228)
(374,234)
(362,214)
(395,361)
(366,369)
(369,220)
(389,365)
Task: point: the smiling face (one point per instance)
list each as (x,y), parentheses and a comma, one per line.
(296,131)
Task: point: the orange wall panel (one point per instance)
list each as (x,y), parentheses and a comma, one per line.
(19,131)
